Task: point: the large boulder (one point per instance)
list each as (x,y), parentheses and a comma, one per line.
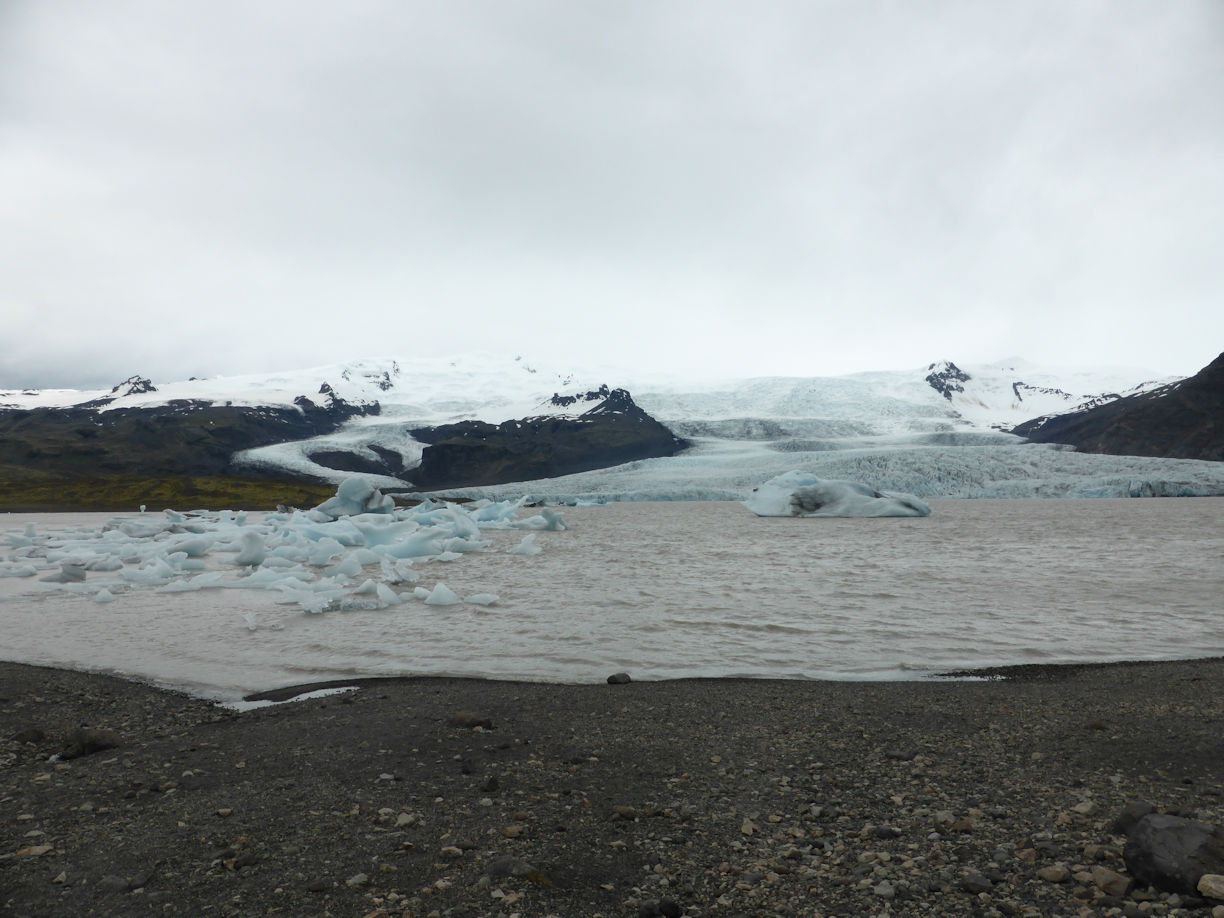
(1173,853)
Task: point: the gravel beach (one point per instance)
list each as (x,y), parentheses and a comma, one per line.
(995,795)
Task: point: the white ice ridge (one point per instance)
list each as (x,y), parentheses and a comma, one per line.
(800,493)
(353,552)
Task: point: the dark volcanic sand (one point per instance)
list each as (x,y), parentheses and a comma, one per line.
(714,797)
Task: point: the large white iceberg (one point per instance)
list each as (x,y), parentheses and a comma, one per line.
(803,494)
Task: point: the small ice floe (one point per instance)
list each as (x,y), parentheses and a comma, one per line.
(803,494)
(68,573)
(526,547)
(442,595)
(482,599)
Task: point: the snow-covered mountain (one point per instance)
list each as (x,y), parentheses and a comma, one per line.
(492,388)
(927,413)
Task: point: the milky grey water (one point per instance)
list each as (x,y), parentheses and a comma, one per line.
(668,590)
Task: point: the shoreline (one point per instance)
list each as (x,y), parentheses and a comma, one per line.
(473,798)
(1012,672)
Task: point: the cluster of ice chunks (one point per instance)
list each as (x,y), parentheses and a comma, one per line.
(354,551)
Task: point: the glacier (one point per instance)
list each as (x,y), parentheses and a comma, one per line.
(936,430)
(895,431)
(721,469)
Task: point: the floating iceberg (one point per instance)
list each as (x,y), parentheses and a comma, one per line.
(803,494)
(345,555)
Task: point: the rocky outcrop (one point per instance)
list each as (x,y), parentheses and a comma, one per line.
(179,438)
(946,377)
(134,385)
(473,453)
(1184,420)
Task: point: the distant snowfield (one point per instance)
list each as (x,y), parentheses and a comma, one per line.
(893,430)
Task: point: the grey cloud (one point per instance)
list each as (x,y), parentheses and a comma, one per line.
(270,182)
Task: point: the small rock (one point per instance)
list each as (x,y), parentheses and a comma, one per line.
(619,679)
(88,740)
(1218,912)
(664,908)
(885,890)
(1211,885)
(1110,882)
(35,851)
(1054,873)
(975,883)
(506,865)
(470,719)
(748,827)
(356,880)
(451,852)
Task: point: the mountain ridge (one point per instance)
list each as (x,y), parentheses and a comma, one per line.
(1182,420)
(436,422)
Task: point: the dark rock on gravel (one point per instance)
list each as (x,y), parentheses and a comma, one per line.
(1173,853)
(470,719)
(87,741)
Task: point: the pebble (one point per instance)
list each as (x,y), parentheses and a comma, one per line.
(975,883)
(1110,882)
(1054,873)
(470,719)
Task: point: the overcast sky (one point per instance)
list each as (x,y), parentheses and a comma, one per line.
(809,188)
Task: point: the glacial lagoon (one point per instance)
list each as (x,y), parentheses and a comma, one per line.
(671,590)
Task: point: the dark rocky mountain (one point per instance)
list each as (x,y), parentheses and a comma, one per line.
(46,448)
(180,438)
(1184,420)
(471,453)
(946,377)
